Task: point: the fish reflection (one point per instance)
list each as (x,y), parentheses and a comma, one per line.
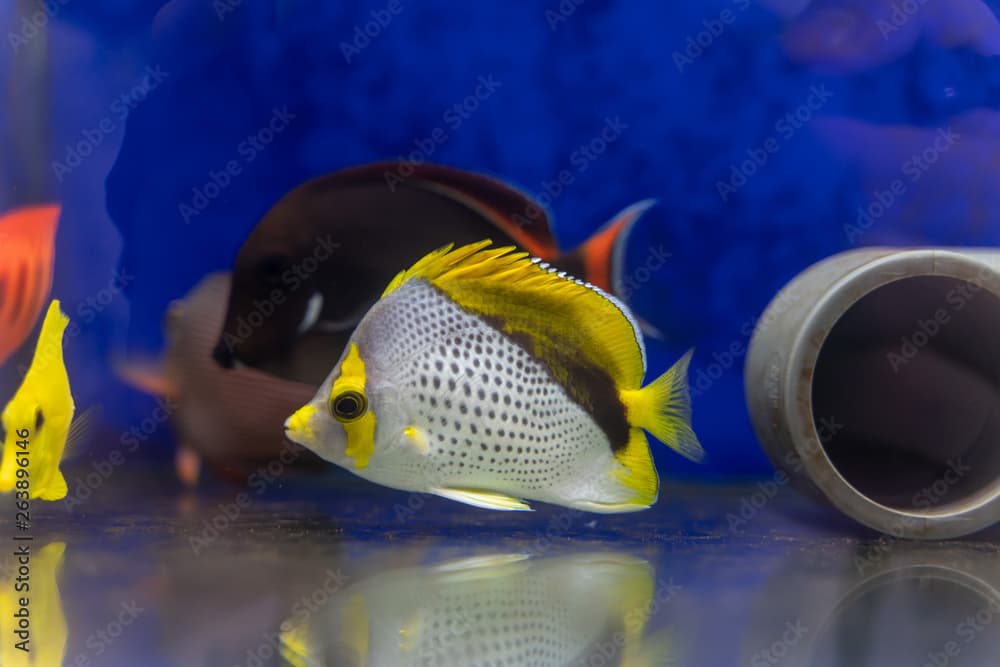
(493,610)
(897,605)
(34,634)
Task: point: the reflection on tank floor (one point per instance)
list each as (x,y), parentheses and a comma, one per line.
(749,574)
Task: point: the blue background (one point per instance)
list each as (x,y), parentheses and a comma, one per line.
(700,86)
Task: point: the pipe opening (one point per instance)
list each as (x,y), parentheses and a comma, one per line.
(906,395)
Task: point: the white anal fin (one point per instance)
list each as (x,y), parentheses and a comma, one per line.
(484,499)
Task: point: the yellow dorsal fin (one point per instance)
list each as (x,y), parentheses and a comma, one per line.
(568,323)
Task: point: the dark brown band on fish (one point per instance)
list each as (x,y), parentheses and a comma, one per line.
(589,386)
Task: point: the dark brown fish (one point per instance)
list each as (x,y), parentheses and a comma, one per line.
(323,254)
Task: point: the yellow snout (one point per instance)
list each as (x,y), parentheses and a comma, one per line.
(299,427)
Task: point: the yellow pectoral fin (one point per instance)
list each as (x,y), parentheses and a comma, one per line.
(417,439)
(484,499)
(83,428)
(409,634)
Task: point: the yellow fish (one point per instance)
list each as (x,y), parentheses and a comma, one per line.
(44,644)
(484,376)
(38,420)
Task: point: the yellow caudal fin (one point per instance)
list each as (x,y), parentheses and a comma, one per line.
(663,408)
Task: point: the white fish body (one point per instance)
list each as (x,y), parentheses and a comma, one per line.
(456,405)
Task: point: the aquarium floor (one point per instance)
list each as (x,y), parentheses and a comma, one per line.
(153,575)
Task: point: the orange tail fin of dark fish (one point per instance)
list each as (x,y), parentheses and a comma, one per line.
(27,254)
(603,254)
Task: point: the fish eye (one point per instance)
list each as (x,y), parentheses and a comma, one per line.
(349,406)
(271,267)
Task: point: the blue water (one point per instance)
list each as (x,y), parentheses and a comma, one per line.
(758,131)
(772,133)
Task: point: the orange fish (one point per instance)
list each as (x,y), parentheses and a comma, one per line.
(27,253)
